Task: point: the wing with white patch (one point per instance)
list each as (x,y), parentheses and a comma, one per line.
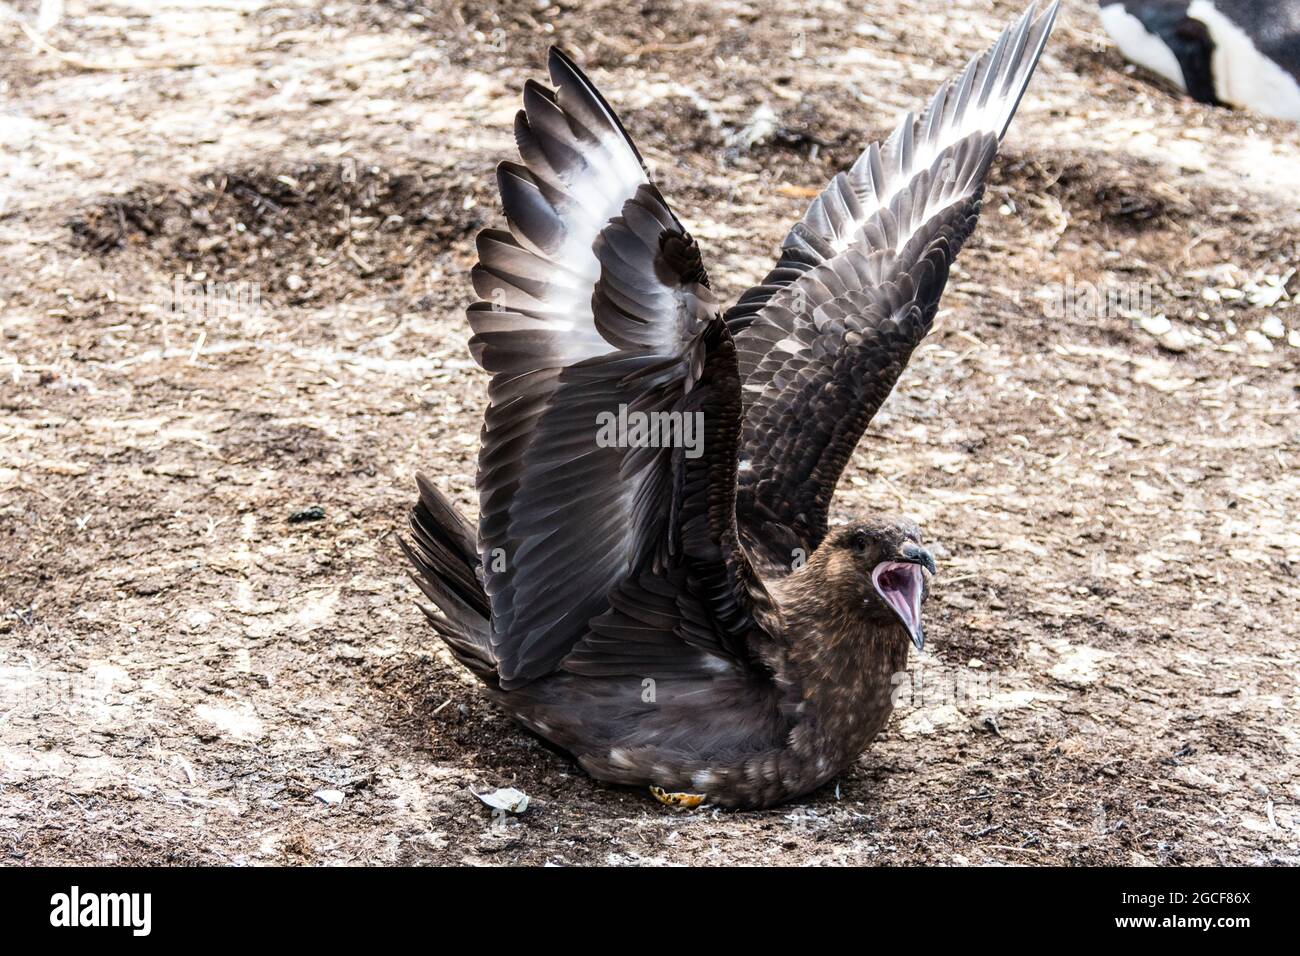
(823,339)
(595,311)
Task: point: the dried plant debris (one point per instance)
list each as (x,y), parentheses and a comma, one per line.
(1128,195)
(291,224)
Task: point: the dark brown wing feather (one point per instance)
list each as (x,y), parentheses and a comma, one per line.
(823,339)
(692,609)
(596,300)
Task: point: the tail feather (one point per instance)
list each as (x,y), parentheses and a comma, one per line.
(447,569)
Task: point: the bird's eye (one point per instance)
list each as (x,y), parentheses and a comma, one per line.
(860,542)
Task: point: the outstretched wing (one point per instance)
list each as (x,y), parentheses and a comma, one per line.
(823,339)
(596,314)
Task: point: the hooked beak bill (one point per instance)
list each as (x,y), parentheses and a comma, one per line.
(918,555)
(902,585)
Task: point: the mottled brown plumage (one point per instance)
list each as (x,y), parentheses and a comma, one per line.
(665,600)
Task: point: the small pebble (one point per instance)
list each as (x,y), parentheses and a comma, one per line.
(1156,325)
(1258,341)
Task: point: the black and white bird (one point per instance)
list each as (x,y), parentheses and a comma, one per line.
(672,608)
(1224,52)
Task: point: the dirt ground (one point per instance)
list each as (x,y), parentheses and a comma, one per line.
(209,649)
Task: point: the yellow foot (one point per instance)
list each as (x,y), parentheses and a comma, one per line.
(683,800)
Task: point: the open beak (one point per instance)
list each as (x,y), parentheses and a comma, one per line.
(902,584)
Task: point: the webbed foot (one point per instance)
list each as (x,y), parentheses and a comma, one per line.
(683,801)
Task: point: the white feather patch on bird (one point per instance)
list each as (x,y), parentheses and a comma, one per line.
(1141,46)
(1242,75)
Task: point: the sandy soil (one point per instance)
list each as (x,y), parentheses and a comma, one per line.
(197,667)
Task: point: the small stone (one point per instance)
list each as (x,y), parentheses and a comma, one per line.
(1080,666)
(329,797)
(1272,327)
(1173,341)
(1258,341)
(1169,336)
(294,282)
(1266,296)
(1156,325)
